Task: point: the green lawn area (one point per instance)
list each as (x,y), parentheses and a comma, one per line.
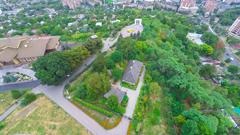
(42,117)
(6,101)
(127,85)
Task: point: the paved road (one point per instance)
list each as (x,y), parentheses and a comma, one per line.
(229,54)
(9,111)
(19,85)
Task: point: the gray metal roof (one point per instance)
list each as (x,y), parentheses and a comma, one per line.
(132,71)
(115,91)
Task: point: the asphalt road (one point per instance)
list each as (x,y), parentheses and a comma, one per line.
(20,85)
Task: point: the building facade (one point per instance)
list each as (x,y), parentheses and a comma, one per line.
(234,30)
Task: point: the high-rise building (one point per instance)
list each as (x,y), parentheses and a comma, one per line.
(210,6)
(72,4)
(235,28)
(188,6)
(231,1)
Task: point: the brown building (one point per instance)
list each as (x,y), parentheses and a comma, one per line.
(235,28)
(25,49)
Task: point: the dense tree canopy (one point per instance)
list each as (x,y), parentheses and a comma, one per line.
(54,67)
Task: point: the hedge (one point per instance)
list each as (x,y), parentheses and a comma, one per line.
(93,107)
(28,98)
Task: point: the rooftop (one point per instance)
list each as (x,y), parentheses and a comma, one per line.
(132,72)
(26,46)
(117,92)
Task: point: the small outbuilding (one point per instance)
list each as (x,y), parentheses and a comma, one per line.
(117,92)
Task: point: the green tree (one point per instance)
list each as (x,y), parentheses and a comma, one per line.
(52,68)
(117,74)
(16,94)
(28,98)
(233,69)
(209,38)
(208,71)
(93,45)
(97,85)
(99,64)
(117,56)
(112,103)
(190,127)
(110,63)
(206,50)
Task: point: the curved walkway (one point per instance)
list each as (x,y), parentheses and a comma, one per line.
(9,111)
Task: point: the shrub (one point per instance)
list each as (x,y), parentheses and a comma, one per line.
(81,92)
(110,63)
(28,98)
(233,69)
(16,94)
(93,107)
(117,74)
(2,125)
(117,56)
(112,102)
(9,78)
(124,101)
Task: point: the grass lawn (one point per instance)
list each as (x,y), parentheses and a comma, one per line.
(6,101)
(42,117)
(127,85)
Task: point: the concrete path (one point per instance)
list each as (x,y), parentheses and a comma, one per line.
(109,42)
(9,111)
